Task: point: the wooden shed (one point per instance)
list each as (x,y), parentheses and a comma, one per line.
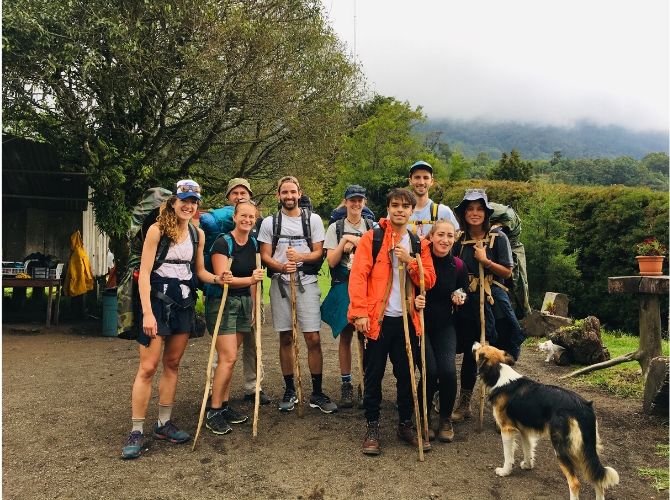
(43,204)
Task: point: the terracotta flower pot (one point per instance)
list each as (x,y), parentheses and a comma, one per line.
(650,265)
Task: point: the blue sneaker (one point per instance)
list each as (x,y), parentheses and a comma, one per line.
(170,432)
(133,447)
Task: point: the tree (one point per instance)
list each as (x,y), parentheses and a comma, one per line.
(512,168)
(378,153)
(143,93)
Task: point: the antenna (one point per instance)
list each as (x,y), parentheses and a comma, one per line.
(354,29)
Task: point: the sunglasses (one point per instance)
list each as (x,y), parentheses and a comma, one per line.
(188,188)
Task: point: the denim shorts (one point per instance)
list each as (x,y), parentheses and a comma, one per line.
(236,316)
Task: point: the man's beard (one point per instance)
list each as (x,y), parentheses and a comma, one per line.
(294,203)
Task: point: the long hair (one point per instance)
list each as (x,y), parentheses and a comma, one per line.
(167,219)
(460,217)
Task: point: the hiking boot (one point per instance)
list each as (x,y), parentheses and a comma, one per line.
(288,401)
(436,401)
(133,446)
(233,416)
(323,403)
(464,409)
(347,399)
(170,432)
(431,428)
(407,434)
(446,431)
(371,441)
(264,399)
(217,423)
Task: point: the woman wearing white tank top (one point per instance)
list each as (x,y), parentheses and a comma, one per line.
(167,294)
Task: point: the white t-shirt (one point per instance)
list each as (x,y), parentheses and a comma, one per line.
(292,226)
(421,230)
(331,237)
(394,304)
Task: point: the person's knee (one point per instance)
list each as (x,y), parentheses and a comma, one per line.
(313,341)
(285,339)
(147,369)
(171,362)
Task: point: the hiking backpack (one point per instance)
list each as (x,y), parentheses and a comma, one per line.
(341,212)
(305,216)
(339,274)
(433,216)
(509,222)
(378,238)
(143,216)
(210,289)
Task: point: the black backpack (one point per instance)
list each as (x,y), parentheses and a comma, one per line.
(305,215)
(378,238)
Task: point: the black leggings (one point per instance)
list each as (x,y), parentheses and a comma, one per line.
(441,365)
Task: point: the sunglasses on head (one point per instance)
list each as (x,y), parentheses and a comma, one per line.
(188,188)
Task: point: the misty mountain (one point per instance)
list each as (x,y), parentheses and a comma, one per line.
(584,140)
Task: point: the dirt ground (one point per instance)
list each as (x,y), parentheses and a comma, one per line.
(66,414)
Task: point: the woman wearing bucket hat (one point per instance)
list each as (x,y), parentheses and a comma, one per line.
(172,262)
(481,245)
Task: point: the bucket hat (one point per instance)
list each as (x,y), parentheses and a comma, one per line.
(473,195)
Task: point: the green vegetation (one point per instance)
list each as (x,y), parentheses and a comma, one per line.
(624,380)
(659,476)
(144,93)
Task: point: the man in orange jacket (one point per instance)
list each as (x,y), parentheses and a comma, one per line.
(376,311)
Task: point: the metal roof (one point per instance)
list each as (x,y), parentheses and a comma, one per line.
(32,177)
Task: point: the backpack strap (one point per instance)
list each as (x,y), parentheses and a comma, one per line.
(339,229)
(378,238)
(306,216)
(433,212)
(369,223)
(164,246)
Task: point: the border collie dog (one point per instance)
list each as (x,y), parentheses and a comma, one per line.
(532,410)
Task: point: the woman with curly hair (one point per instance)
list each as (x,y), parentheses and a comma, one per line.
(172,257)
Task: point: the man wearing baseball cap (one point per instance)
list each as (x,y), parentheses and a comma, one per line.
(427,211)
(239,190)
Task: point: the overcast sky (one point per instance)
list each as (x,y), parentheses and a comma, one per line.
(533,61)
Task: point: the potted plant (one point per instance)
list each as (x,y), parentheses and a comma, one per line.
(650,255)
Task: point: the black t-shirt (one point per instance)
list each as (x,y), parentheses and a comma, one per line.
(244,261)
(438,298)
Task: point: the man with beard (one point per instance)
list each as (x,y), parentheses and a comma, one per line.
(427,211)
(291,241)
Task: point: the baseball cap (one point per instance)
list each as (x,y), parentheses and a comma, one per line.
(420,165)
(354,190)
(188,188)
(238,181)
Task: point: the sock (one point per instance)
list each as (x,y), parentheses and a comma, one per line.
(288,380)
(138,425)
(316,383)
(346,379)
(224,404)
(164,413)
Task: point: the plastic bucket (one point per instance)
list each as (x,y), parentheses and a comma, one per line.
(109,312)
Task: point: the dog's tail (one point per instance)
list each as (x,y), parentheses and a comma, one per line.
(599,476)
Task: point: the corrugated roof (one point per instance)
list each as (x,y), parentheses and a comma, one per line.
(32,177)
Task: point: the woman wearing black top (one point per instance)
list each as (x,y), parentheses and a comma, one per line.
(440,333)
(237,313)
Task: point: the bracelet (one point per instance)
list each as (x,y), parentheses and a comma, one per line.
(215,279)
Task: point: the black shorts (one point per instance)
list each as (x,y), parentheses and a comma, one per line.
(177,320)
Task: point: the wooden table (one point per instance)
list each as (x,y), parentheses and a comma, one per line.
(9,282)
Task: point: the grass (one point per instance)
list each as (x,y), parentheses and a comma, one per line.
(657,475)
(624,380)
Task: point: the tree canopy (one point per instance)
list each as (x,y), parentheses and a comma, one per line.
(144,93)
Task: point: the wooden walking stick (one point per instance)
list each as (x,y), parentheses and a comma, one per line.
(482,337)
(361,371)
(410,357)
(422,290)
(259,351)
(294,331)
(212,350)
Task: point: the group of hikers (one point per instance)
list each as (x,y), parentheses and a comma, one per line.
(379,270)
